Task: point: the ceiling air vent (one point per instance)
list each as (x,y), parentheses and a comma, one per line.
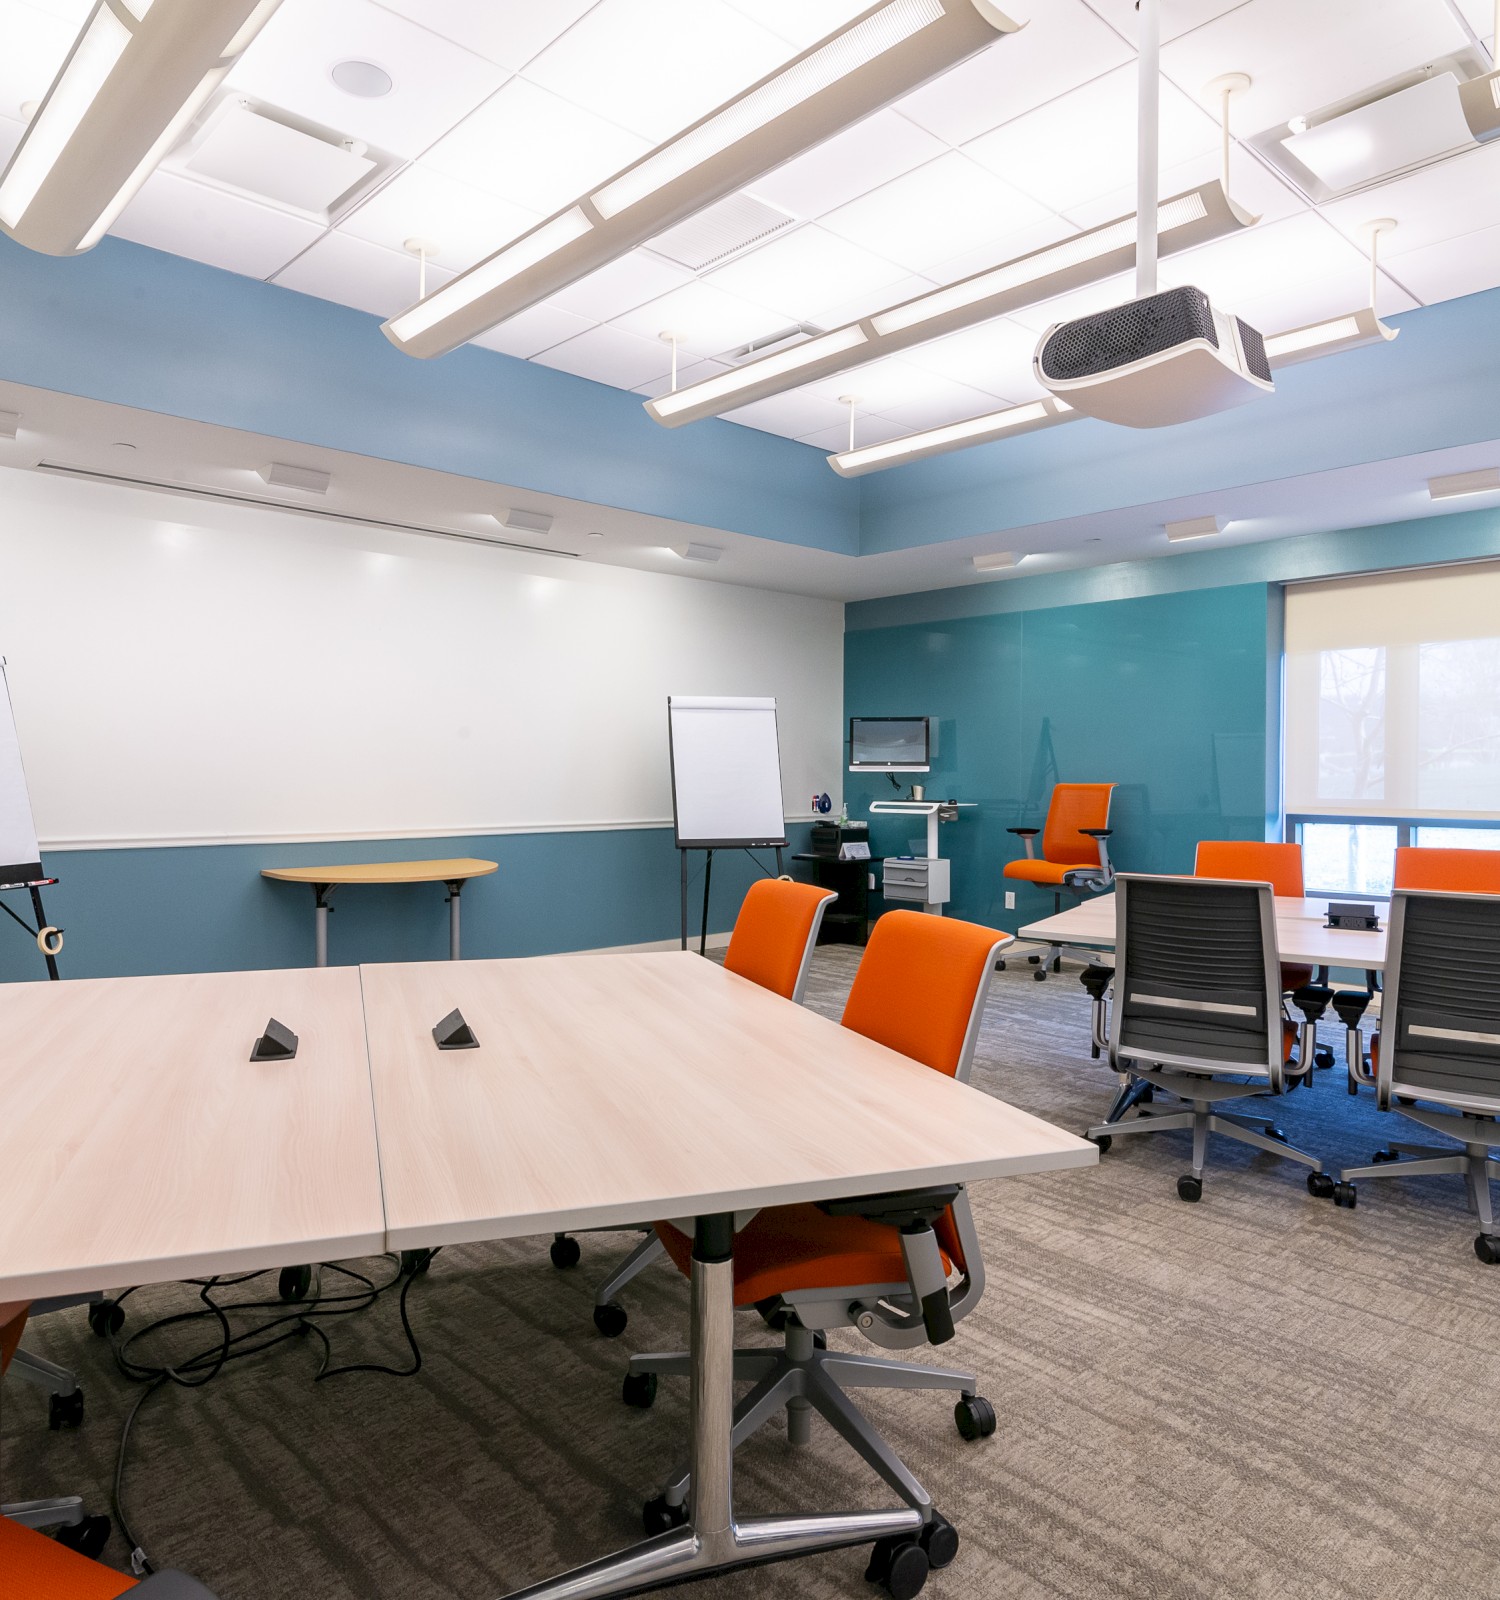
(720,231)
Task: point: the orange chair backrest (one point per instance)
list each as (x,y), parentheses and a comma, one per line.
(918,985)
(1074,806)
(1458,871)
(12,1322)
(773,934)
(1252,861)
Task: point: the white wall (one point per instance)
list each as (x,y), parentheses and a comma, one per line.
(184,670)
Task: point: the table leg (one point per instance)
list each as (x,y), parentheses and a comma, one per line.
(454,889)
(321,891)
(714,1540)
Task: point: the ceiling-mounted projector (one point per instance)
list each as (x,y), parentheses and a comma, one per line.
(1162,359)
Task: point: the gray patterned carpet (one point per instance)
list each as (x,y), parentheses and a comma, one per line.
(1258,1395)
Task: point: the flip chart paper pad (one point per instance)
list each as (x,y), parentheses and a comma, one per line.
(20,857)
(726,771)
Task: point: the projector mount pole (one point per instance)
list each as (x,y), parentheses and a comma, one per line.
(1148,91)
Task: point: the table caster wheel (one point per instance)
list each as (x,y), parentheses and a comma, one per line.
(899,1565)
(940,1540)
(564,1251)
(974,1417)
(1487,1248)
(610,1319)
(639,1390)
(1387,1154)
(1320,1185)
(1345,1195)
(88,1537)
(657,1516)
(106,1317)
(1189,1187)
(65,1410)
(1323,1056)
(294,1283)
(1101,1140)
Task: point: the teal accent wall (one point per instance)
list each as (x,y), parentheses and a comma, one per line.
(206,908)
(1165,695)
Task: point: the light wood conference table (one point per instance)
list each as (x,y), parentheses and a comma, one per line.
(454,872)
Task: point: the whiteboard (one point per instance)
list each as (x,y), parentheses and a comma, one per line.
(726,772)
(20,859)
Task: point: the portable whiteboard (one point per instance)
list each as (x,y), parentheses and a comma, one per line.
(20,856)
(726,773)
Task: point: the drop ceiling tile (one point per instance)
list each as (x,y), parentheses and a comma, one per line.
(862,305)
(1078,303)
(849,164)
(892,385)
(954,402)
(1452,268)
(35,45)
(804,272)
(530,332)
(1445,201)
(867,430)
(621,285)
(10,136)
(1063,45)
(1294,305)
(801,22)
(655,66)
(1253,187)
(507,32)
(355,273)
(74,12)
(1301,57)
(435,82)
(528,146)
(934,212)
(994,357)
(706,320)
(206,224)
(1083,144)
(993,253)
(791,415)
(609,355)
(463,222)
(1178,17)
(689,371)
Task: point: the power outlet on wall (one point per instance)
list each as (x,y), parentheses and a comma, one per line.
(1010,899)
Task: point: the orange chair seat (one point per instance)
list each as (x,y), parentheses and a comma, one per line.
(788,1248)
(1040,871)
(34,1567)
(1294,977)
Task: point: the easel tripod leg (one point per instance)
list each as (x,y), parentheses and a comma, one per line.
(708,878)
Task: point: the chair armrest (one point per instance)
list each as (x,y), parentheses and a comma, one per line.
(1024,833)
(913,1211)
(1351,1005)
(1097,833)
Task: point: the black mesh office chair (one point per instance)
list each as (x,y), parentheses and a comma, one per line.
(1197,1013)
(1439,1041)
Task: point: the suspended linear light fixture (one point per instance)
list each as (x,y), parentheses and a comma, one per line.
(1035,414)
(891,48)
(137,75)
(1334,334)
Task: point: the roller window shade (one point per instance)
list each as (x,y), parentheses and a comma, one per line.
(1392,695)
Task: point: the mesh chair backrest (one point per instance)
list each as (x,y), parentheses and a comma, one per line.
(1201,981)
(1459,871)
(774,933)
(1440,1028)
(1254,861)
(1074,806)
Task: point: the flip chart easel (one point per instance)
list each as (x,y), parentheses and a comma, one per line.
(20,855)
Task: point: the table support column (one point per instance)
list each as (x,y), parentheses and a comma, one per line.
(455,888)
(321,892)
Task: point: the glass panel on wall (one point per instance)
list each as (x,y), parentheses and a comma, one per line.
(1458,838)
(1348,857)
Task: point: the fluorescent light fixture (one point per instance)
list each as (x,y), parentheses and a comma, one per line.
(526,521)
(1001,561)
(1484,481)
(282,475)
(1187,219)
(698,552)
(1195,528)
(139,72)
(1327,338)
(954,436)
(876,59)
(10,423)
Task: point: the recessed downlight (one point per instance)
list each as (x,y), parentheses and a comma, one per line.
(363,79)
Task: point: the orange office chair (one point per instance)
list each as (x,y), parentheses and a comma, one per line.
(1075,854)
(878,1264)
(772,945)
(1448,871)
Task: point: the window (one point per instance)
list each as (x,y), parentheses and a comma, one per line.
(1349,857)
(1458,838)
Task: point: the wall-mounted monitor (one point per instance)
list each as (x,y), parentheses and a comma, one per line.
(891,744)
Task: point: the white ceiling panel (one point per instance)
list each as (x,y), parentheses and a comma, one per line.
(11,130)
(1446,201)
(791,415)
(1064,44)
(893,386)
(867,430)
(938,401)
(1083,145)
(1177,16)
(434,82)
(850,164)
(801,22)
(930,214)
(610,355)
(356,273)
(861,305)
(706,320)
(622,285)
(689,370)
(804,272)
(1252,186)
(206,224)
(463,222)
(1454,267)
(528,333)
(526,145)
(1079,303)
(994,357)
(33,45)
(507,32)
(1294,305)
(654,66)
(75,12)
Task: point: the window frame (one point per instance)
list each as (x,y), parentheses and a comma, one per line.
(1407,829)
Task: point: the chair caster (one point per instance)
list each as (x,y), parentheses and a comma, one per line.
(1387,1154)
(1323,1055)
(1487,1248)
(65,1410)
(1345,1196)
(1033,959)
(639,1390)
(1102,1141)
(657,1516)
(106,1317)
(1040,974)
(1189,1187)
(1320,1186)
(1273,1132)
(88,1537)
(564,1251)
(974,1417)
(999,966)
(610,1319)
(294,1283)
(899,1565)
(940,1540)
(415,1261)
